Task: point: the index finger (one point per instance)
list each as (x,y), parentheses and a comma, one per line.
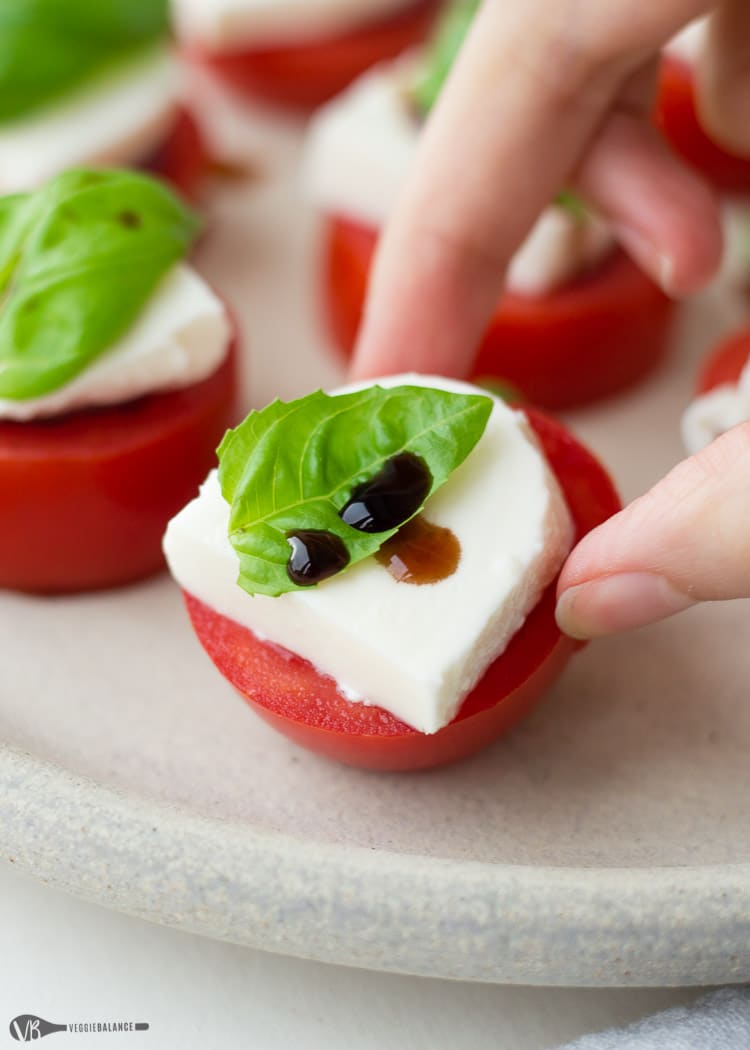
(526,94)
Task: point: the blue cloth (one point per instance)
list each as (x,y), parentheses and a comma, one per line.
(719,1021)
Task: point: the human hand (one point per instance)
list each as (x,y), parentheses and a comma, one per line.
(526,111)
(546,94)
(685,541)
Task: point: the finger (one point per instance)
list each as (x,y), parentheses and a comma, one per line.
(723,77)
(517,113)
(502,139)
(663,214)
(685,541)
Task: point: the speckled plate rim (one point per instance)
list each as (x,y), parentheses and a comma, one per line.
(371,908)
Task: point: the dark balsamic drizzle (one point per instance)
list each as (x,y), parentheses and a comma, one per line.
(421,552)
(389,498)
(316,555)
(418,553)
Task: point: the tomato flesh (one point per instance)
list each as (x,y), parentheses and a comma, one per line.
(300,702)
(592,338)
(182,158)
(85,498)
(726,363)
(677,118)
(304,75)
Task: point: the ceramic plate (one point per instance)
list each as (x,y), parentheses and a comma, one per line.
(606,841)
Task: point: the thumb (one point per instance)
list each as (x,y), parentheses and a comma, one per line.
(685,541)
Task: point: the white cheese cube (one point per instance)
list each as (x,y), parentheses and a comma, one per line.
(715,412)
(181,336)
(117,118)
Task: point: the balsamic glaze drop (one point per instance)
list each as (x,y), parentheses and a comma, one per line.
(390,497)
(316,555)
(420,552)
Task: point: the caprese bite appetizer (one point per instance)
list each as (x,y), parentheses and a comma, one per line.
(116,378)
(374,570)
(578,319)
(297,53)
(722,396)
(85,83)
(676,115)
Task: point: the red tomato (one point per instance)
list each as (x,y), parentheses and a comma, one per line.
(594,337)
(293,697)
(677,118)
(725,363)
(85,498)
(182,159)
(306,74)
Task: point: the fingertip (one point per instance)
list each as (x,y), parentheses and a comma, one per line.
(723,78)
(723,109)
(620,602)
(682,542)
(665,216)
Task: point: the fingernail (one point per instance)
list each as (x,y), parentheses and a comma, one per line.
(666,275)
(617,603)
(660,266)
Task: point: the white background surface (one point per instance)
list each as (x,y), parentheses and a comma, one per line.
(68,961)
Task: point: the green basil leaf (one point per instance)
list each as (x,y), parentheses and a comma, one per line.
(79,259)
(50,46)
(294,466)
(441,52)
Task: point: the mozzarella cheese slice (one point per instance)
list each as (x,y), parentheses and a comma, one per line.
(414,650)
(228,25)
(559,247)
(118,118)
(715,412)
(359,152)
(181,337)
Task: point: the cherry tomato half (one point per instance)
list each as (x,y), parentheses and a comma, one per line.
(726,363)
(85,498)
(292,696)
(677,118)
(595,336)
(306,74)
(182,158)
